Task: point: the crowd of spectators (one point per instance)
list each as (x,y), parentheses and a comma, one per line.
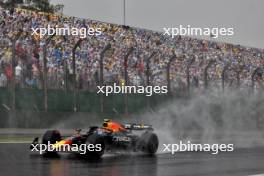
(28,64)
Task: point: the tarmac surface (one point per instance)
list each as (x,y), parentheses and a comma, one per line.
(16,159)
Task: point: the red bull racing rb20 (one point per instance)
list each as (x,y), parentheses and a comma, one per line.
(111,137)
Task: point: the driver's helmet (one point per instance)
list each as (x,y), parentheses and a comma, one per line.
(113,126)
(78,131)
(106,121)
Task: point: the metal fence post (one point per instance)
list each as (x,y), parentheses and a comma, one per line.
(77,44)
(223,76)
(148,74)
(65,68)
(211,62)
(172,58)
(238,71)
(47,41)
(13,77)
(188,75)
(13,82)
(130,50)
(107,47)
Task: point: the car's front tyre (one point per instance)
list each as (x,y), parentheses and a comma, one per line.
(51,137)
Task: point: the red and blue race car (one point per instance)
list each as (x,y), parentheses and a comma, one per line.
(111,137)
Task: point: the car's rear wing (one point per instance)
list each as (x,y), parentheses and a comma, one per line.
(130,126)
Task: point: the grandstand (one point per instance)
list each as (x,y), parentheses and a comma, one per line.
(134,56)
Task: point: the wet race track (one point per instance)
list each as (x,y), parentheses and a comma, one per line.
(18,160)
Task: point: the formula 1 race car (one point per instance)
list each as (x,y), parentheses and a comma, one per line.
(111,137)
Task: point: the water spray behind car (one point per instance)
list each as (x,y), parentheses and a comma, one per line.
(214,117)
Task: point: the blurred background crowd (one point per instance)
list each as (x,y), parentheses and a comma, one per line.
(151,50)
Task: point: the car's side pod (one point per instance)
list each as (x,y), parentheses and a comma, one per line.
(92,129)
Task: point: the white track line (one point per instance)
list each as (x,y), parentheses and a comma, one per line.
(257,175)
(20,142)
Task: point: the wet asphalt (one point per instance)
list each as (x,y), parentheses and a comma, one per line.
(18,160)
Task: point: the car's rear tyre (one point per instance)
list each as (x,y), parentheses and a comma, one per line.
(148,143)
(99,146)
(51,137)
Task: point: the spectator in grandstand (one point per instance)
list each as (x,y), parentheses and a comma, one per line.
(29,55)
